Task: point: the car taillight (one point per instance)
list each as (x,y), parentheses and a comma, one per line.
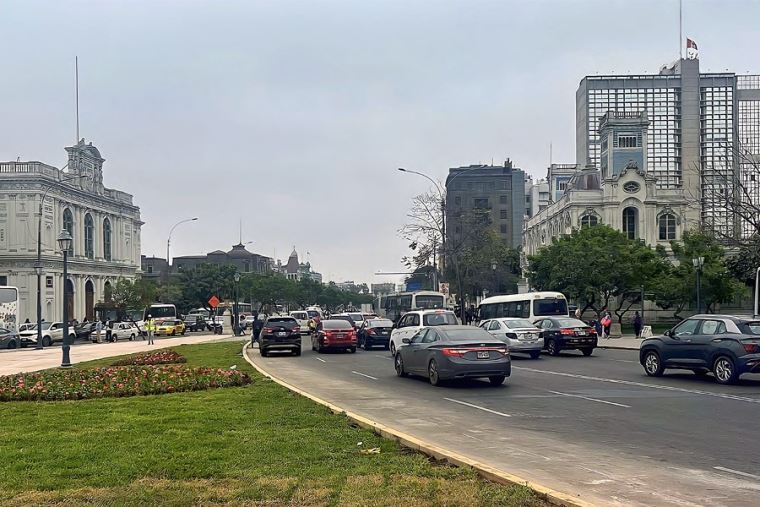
(454,352)
(751,348)
(297,329)
(370,331)
(566,331)
(268,330)
(591,330)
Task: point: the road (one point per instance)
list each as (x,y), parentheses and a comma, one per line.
(594,427)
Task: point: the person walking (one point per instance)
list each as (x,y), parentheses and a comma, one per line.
(109,330)
(149,329)
(637,324)
(98,331)
(606,324)
(578,313)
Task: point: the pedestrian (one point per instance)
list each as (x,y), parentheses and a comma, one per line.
(98,330)
(109,329)
(578,313)
(149,329)
(606,324)
(637,324)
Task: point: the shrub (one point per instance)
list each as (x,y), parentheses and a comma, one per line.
(115,382)
(160,357)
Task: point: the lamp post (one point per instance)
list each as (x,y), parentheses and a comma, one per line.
(169,240)
(64,243)
(698,263)
(495,281)
(236,325)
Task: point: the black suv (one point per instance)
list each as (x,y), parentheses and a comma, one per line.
(280,333)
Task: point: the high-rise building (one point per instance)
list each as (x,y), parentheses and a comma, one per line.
(496,192)
(698,123)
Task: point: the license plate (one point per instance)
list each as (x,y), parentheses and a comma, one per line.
(483,355)
(581,333)
(281,333)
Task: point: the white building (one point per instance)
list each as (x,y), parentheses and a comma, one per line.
(537,196)
(104,223)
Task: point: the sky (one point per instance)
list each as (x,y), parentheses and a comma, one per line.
(292,116)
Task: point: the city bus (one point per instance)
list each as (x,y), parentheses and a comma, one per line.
(531,306)
(10,308)
(160,311)
(393,306)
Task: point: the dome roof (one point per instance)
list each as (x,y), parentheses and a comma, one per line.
(239,251)
(587,178)
(92,151)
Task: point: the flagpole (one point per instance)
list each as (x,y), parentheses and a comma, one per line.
(680,29)
(76,72)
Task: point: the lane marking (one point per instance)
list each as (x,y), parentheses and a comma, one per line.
(590,399)
(484,409)
(383,357)
(642,384)
(363,374)
(474,438)
(320,359)
(624,361)
(737,472)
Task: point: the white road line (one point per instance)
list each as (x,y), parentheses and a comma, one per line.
(590,399)
(320,359)
(623,361)
(364,375)
(383,357)
(484,409)
(474,438)
(641,384)
(737,472)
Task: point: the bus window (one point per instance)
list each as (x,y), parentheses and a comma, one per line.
(406,303)
(551,306)
(429,302)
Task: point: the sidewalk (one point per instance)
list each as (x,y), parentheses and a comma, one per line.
(26,360)
(626,342)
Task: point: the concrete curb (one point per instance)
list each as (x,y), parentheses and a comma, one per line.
(610,347)
(488,472)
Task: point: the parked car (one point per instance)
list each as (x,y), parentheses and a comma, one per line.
(413,321)
(280,333)
(454,352)
(336,334)
(9,339)
(567,333)
(727,345)
(520,335)
(51,332)
(84,330)
(195,322)
(169,327)
(124,331)
(375,332)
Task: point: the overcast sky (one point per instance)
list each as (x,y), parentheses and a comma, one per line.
(293,116)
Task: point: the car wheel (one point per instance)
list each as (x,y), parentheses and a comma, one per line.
(587,352)
(399,364)
(353,350)
(497,380)
(46,341)
(393,349)
(263,353)
(367,345)
(297,352)
(552,348)
(12,344)
(652,364)
(535,354)
(23,345)
(114,338)
(433,375)
(132,337)
(183,332)
(725,370)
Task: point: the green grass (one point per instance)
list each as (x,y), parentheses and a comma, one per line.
(253,445)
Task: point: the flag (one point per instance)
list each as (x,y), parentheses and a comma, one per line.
(691,49)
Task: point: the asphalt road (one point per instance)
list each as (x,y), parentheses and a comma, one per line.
(596,427)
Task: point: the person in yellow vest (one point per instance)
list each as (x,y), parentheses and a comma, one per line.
(149,328)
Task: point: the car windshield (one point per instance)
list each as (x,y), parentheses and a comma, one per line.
(280,321)
(336,324)
(356,316)
(463,335)
(439,319)
(379,323)
(312,314)
(571,323)
(517,324)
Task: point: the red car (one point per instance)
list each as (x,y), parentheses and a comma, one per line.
(335,335)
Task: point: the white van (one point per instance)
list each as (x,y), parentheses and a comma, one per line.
(531,306)
(302,316)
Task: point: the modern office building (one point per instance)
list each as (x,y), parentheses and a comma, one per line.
(495,192)
(698,122)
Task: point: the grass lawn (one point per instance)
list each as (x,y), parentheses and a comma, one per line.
(252,445)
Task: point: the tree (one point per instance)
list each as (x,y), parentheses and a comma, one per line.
(595,265)
(743,266)
(128,294)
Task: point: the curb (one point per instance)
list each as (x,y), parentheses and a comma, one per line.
(611,347)
(486,471)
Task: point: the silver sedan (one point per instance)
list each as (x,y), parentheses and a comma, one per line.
(519,334)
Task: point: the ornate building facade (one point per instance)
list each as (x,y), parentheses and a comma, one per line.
(104,223)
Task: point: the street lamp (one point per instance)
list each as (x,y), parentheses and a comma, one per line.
(169,240)
(698,263)
(236,325)
(64,243)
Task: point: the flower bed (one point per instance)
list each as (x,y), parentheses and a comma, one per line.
(115,382)
(161,357)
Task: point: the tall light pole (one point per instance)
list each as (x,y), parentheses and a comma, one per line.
(169,240)
(698,263)
(235,325)
(64,242)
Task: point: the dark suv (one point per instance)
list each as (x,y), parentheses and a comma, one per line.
(280,333)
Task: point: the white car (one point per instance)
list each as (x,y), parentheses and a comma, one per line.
(51,332)
(413,321)
(358,319)
(303,320)
(125,331)
(519,334)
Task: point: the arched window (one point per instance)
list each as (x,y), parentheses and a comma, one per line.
(667,223)
(588,221)
(630,220)
(107,239)
(68,224)
(89,230)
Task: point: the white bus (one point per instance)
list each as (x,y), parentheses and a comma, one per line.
(10,308)
(531,305)
(393,306)
(160,311)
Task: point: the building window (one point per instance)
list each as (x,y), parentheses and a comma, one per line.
(49,282)
(89,230)
(503,214)
(246,266)
(480,203)
(667,223)
(502,199)
(107,239)
(150,269)
(4,280)
(503,228)
(588,221)
(627,141)
(68,224)
(630,218)
(562,185)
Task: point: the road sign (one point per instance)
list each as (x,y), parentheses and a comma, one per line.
(213,302)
